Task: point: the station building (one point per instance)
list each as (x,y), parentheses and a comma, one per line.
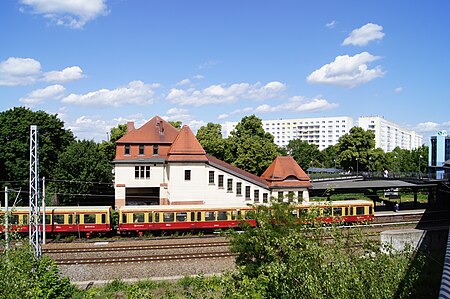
(158,164)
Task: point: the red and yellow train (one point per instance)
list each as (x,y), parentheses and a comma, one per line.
(88,220)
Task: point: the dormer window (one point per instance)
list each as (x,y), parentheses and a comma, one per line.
(155,149)
(126,150)
(141,149)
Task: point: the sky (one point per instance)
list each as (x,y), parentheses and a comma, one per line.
(100,63)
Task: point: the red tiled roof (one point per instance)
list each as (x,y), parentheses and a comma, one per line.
(186,147)
(155,131)
(237,171)
(285,172)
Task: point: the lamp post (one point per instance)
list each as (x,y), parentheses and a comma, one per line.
(420,172)
(370,158)
(357,167)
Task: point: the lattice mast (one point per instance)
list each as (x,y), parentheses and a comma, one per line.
(34,231)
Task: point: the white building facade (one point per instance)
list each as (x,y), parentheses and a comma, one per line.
(326,131)
(389,135)
(321,131)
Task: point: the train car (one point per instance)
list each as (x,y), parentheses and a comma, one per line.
(348,211)
(144,218)
(62,219)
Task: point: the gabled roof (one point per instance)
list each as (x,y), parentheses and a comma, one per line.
(213,161)
(156,131)
(186,147)
(285,172)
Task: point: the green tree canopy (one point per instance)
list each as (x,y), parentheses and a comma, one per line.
(210,137)
(249,147)
(176,124)
(82,169)
(15,142)
(354,148)
(307,155)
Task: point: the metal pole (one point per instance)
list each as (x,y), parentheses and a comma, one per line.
(43,211)
(6,220)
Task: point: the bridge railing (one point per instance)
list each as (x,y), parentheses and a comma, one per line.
(377,176)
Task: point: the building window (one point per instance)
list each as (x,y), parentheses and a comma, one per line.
(291,196)
(155,149)
(300,196)
(211,177)
(238,188)
(280,196)
(141,149)
(230,185)
(142,172)
(256,195)
(187,175)
(265,198)
(127,149)
(220,181)
(247,192)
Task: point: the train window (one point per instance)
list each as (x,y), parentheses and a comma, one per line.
(138,218)
(199,216)
(351,211)
(192,216)
(89,218)
(70,219)
(233,215)
(249,215)
(359,210)
(14,219)
(168,217)
(370,210)
(103,218)
(222,215)
(150,218)
(326,211)
(239,215)
(181,216)
(48,219)
(58,219)
(337,211)
(156,217)
(25,219)
(210,216)
(124,218)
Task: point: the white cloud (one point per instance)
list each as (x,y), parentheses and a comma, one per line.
(331,25)
(219,94)
(67,74)
(176,111)
(398,89)
(183,82)
(73,13)
(19,71)
(40,95)
(347,71)
(299,104)
(208,64)
(362,36)
(429,127)
(136,92)
(223,116)
(198,77)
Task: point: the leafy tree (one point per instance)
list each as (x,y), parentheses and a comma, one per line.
(354,148)
(329,157)
(15,142)
(81,169)
(210,137)
(377,160)
(25,277)
(284,257)
(109,147)
(176,124)
(304,153)
(249,147)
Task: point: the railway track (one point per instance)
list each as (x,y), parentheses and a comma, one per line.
(147,258)
(133,247)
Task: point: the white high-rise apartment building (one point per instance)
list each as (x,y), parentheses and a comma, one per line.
(322,131)
(326,131)
(389,135)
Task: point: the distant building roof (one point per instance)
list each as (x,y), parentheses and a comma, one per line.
(285,172)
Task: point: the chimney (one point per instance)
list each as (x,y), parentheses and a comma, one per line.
(130,126)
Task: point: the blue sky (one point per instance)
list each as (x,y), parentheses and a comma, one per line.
(98,63)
